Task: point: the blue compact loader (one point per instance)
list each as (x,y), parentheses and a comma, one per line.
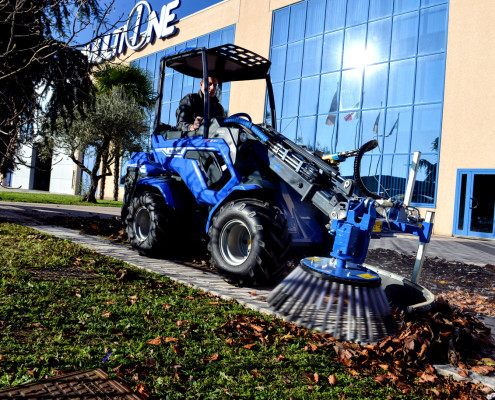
(253,195)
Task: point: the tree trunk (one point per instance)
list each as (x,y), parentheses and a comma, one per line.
(104,168)
(116,175)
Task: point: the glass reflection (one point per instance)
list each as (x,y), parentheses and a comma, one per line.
(372,126)
(332,51)
(402,6)
(357,12)
(375,86)
(400,84)
(405,35)
(424,188)
(398,130)
(347,135)
(335,14)
(427,123)
(380,8)
(315,19)
(326,131)
(312,56)
(329,88)
(277,69)
(430,78)
(294,60)
(433,30)
(395,169)
(350,97)
(354,47)
(280,28)
(309,95)
(306,132)
(291,92)
(297,21)
(378,43)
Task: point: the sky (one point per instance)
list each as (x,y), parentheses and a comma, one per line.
(120,10)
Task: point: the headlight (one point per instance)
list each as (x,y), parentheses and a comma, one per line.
(243,137)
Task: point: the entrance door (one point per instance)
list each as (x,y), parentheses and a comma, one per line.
(475,203)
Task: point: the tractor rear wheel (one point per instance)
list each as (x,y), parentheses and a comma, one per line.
(249,241)
(149,225)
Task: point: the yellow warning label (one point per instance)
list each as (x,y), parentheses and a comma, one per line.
(378,226)
(367,276)
(315,259)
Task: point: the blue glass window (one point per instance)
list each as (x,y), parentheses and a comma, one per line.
(315,20)
(433,30)
(297,22)
(380,8)
(277,69)
(350,92)
(335,14)
(368,69)
(427,123)
(280,28)
(405,35)
(312,56)
(403,6)
(378,42)
(291,92)
(357,12)
(375,86)
(332,51)
(309,95)
(401,86)
(429,79)
(294,60)
(397,130)
(354,46)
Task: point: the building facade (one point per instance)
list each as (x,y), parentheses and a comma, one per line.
(409,73)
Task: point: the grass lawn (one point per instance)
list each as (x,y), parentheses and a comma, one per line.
(53,199)
(162,338)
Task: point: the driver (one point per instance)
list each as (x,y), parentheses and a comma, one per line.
(191,107)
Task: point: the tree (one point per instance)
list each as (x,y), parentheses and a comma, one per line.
(113,118)
(135,85)
(39,68)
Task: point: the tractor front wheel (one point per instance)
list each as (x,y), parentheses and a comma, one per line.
(149,225)
(249,241)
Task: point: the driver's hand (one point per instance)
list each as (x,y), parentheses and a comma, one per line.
(196,124)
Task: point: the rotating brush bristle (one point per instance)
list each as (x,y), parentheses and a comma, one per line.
(348,309)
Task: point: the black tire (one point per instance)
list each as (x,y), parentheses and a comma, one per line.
(149,225)
(249,241)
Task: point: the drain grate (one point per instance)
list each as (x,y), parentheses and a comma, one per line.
(87,385)
(55,274)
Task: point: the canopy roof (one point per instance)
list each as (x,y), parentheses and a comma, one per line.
(226,63)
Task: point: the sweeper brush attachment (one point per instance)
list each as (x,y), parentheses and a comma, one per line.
(348,303)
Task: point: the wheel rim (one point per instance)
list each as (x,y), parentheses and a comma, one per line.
(235,242)
(142,223)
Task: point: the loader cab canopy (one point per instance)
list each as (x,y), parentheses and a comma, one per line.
(227,63)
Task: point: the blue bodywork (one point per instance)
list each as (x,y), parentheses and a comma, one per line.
(176,157)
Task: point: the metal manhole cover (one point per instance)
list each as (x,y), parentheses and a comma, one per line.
(87,385)
(55,274)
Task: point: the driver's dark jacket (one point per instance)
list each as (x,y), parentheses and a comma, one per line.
(192,106)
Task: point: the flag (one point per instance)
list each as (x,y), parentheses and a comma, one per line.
(394,126)
(353,115)
(333,108)
(377,121)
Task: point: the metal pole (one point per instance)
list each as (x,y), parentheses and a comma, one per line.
(420,255)
(206,94)
(413,171)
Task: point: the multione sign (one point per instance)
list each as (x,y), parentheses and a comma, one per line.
(142,26)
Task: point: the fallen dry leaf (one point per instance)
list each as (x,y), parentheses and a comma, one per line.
(332,380)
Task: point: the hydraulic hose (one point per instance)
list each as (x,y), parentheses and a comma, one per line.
(252,127)
(368,146)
